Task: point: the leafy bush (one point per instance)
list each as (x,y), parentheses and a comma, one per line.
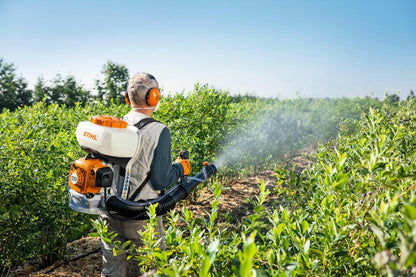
(198,121)
(37,147)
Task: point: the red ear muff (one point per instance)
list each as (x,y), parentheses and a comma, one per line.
(152,96)
(127,99)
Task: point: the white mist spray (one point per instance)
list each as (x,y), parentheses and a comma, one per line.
(273,134)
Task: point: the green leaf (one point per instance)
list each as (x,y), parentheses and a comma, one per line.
(306,246)
(125,244)
(305,226)
(206,264)
(411,259)
(410,211)
(279,229)
(107,240)
(117,252)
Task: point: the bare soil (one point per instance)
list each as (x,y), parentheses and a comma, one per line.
(234,202)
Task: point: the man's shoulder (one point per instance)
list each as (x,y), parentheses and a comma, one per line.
(147,121)
(154,129)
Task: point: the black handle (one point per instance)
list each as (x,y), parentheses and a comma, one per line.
(184,155)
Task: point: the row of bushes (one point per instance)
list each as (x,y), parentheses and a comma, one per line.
(38,145)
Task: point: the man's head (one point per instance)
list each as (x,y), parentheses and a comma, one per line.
(139,85)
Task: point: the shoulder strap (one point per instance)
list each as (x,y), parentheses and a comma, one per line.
(139,189)
(144,122)
(139,125)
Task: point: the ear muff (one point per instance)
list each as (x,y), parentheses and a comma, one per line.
(152,97)
(127,99)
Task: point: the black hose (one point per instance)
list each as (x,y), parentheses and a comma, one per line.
(73,259)
(119,207)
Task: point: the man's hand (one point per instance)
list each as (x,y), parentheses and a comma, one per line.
(183,159)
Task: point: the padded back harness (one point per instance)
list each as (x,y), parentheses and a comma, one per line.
(140,125)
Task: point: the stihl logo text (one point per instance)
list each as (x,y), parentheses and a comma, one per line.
(89,135)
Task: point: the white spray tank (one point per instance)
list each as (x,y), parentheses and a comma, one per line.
(109,136)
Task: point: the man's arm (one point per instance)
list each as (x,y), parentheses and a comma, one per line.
(162,173)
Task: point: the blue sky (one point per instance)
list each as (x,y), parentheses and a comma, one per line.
(267,48)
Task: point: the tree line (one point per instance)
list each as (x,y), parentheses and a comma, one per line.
(110,88)
(15,92)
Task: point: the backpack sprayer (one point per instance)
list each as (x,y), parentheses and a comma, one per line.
(90,178)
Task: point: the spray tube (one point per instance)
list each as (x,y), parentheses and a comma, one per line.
(126,209)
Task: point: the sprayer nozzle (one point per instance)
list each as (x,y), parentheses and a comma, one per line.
(205,163)
(213,167)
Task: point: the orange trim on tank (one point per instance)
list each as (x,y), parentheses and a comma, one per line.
(108,121)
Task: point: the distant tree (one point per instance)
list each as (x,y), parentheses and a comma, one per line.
(74,92)
(41,91)
(64,91)
(411,95)
(56,90)
(243,97)
(13,90)
(114,83)
(24,96)
(392,98)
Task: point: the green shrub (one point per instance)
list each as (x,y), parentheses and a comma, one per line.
(37,147)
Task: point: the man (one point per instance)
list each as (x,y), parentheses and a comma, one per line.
(152,173)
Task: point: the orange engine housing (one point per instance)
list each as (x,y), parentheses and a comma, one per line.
(89,175)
